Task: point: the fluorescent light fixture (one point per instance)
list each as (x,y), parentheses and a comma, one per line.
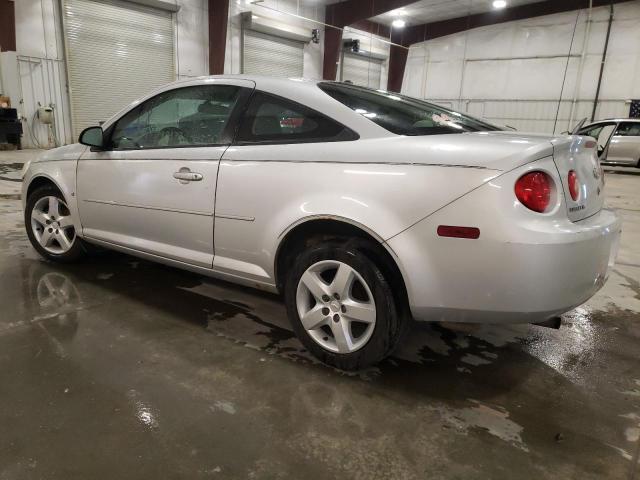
(499,3)
(398,23)
(398,13)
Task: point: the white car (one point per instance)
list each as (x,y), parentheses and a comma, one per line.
(363,208)
(618,140)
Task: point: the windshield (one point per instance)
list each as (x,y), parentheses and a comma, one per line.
(403,115)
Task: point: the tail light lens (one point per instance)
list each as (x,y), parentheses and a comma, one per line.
(574,188)
(533,189)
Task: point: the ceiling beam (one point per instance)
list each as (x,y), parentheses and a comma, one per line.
(7,26)
(428,31)
(372,27)
(351,11)
(218,20)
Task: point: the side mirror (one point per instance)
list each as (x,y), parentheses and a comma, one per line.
(92,137)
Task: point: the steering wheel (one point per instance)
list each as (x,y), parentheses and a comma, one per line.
(174,136)
(128,139)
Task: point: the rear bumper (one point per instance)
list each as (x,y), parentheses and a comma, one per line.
(530,273)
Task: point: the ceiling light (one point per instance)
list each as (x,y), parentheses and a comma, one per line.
(398,23)
(398,13)
(499,3)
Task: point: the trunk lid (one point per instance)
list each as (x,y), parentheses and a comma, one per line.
(580,154)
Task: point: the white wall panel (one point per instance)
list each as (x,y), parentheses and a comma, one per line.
(443,79)
(42,83)
(192,39)
(415,70)
(513,72)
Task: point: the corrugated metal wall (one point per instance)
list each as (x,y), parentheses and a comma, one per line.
(272,55)
(116,52)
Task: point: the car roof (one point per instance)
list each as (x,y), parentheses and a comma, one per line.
(615,120)
(257,79)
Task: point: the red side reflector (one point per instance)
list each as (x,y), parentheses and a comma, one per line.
(590,144)
(458,232)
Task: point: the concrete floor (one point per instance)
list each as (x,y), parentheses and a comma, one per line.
(120,368)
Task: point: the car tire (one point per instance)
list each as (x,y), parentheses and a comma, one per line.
(343,335)
(54,241)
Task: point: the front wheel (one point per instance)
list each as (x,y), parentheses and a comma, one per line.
(50,227)
(341,306)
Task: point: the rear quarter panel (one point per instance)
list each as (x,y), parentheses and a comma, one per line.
(258,200)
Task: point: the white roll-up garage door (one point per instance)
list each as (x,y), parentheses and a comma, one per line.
(116,52)
(362,70)
(265,54)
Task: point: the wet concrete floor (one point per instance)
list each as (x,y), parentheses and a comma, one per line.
(120,368)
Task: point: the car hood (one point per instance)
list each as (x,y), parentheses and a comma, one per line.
(68,152)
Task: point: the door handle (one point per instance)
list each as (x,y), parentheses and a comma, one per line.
(185,175)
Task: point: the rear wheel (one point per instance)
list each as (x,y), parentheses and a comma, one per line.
(341,306)
(50,227)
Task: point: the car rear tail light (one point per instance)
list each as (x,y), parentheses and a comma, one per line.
(533,189)
(458,232)
(574,188)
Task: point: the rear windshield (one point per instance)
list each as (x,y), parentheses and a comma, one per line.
(403,115)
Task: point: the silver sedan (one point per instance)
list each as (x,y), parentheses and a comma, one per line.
(363,208)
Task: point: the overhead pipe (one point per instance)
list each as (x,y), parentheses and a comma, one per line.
(604,59)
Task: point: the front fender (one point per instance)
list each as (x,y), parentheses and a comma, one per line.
(57,166)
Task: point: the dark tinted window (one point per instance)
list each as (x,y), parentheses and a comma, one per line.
(272,119)
(403,115)
(629,129)
(190,116)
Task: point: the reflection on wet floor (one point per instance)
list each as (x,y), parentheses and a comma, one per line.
(186,374)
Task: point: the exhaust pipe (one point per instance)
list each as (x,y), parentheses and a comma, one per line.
(554,323)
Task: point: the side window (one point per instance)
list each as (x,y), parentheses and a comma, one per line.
(629,129)
(272,119)
(592,131)
(184,117)
(602,133)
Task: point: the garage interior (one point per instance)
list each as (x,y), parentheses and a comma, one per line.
(121,368)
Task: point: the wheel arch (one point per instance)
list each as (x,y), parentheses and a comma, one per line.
(55,179)
(310,230)
(41,180)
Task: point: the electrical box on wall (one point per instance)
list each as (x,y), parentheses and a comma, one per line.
(45,115)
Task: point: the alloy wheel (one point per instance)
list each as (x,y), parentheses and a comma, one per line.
(336,306)
(52,225)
